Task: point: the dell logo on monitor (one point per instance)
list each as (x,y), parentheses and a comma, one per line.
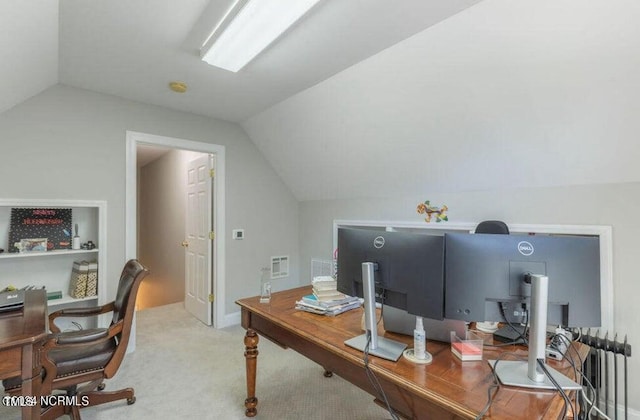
(378,242)
(525,248)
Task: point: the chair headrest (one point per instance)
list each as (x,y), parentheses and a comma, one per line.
(493,226)
(132,274)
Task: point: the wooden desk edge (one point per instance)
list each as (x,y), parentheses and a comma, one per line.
(248,309)
(251,353)
(34,317)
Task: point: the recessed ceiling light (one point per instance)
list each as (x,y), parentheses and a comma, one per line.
(178,87)
(248,28)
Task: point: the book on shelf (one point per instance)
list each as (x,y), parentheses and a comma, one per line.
(54,295)
(92,279)
(79,277)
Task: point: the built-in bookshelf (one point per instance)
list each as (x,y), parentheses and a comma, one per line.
(52,269)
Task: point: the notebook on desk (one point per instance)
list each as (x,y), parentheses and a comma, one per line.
(402,322)
(11,301)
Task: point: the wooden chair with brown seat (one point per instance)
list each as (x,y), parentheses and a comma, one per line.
(78,362)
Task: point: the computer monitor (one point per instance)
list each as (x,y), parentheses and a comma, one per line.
(400,269)
(484,271)
(409,273)
(558,275)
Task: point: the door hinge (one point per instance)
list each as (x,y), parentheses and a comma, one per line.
(211,297)
(212,235)
(212,173)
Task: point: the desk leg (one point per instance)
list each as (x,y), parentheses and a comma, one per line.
(251,356)
(31,380)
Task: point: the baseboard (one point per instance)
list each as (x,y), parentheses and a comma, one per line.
(231,319)
(632,414)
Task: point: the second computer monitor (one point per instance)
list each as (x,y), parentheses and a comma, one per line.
(484,271)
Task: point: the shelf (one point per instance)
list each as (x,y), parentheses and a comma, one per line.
(47,253)
(68,299)
(52,269)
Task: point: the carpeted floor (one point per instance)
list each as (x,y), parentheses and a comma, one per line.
(184,369)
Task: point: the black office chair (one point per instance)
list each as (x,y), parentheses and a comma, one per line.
(493,226)
(78,362)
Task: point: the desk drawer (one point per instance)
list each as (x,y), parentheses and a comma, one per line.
(10,362)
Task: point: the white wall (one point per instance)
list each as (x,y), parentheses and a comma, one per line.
(505,94)
(617,205)
(70,143)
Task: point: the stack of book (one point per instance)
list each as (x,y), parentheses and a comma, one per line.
(92,279)
(325,288)
(325,299)
(78,282)
(310,303)
(84,279)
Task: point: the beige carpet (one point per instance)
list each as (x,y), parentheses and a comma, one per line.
(183,369)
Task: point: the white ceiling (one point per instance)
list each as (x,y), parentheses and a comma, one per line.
(28,49)
(134,48)
(370,98)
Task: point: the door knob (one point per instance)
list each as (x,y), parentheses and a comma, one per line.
(185,244)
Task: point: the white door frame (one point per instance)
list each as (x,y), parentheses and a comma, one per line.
(136,138)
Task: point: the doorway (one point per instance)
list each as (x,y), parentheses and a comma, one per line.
(136,140)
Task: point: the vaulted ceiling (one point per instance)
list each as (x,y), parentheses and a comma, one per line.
(369,98)
(134,48)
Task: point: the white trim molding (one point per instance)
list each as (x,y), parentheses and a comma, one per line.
(603,232)
(134,139)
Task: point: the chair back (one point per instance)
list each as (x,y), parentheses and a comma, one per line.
(493,226)
(130,279)
(123,308)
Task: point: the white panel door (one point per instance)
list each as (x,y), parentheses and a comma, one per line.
(198,246)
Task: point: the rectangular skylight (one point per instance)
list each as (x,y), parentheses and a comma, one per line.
(255,26)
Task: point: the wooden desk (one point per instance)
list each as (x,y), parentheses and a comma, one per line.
(21,336)
(445,389)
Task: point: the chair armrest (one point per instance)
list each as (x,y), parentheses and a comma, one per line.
(78,312)
(82,336)
(70,341)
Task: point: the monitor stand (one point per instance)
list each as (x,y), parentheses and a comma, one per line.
(528,374)
(386,349)
(378,346)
